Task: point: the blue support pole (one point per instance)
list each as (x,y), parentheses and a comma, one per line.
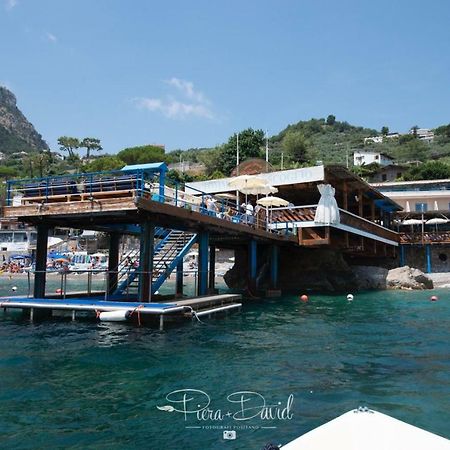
(179,280)
(253,258)
(402,255)
(162,181)
(274,261)
(146,262)
(428,255)
(41,261)
(203,244)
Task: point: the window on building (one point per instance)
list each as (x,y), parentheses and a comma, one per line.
(383,177)
(421,207)
(377,156)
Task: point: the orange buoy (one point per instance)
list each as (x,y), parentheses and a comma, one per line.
(433,298)
(304,298)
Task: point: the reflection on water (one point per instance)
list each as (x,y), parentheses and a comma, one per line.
(89,385)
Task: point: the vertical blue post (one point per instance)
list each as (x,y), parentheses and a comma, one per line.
(146,261)
(41,261)
(402,255)
(179,279)
(176,193)
(274,260)
(428,253)
(253,258)
(203,244)
(162,181)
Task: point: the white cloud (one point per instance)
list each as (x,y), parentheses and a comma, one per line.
(187,89)
(174,109)
(194,103)
(10,4)
(51,37)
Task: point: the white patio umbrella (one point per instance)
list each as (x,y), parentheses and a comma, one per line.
(246,182)
(271,201)
(436,221)
(260,190)
(407,207)
(412,222)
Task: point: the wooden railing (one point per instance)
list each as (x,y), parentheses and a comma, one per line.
(307,213)
(435,237)
(362,224)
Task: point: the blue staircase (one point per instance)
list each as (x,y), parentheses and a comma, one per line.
(168,253)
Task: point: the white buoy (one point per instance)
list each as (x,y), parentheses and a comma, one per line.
(350,297)
(14,288)
(114,316)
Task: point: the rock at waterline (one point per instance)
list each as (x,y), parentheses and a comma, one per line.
(408,278)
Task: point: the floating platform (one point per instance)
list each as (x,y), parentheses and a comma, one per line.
(182,309)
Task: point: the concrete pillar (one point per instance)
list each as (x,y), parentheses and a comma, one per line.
(203,244)
(274,261)
(41,261)
(113,262)
(146,262)
(179,280)
(212,268)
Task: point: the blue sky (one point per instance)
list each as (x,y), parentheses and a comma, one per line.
(189,74)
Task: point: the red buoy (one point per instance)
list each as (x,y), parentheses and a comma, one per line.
(304,298)
(58,291)
(433,298)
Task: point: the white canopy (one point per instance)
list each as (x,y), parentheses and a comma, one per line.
(247,182)
(436,221)
(272,201)
(363,429)
(259,190)
(412,222)
(327,210)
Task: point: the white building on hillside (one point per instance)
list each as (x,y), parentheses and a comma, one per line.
(365,157)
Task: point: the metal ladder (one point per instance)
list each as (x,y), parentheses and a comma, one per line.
(167,255)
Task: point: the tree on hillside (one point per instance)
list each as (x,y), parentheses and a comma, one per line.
(104,163)
(7,172)
(385,131)
(295,145)
(443,131)
(68,144)
(414,149)
(211,159)
(331,120)
(431,170)
(142,154)
(250,143)
(414,130)
(90,144)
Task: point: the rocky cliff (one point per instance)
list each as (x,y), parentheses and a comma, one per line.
(16,133)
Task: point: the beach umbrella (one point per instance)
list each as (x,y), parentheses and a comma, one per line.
(260,190)
(412,222)
(272,201)
(407,207)
(247,181)
(436,221)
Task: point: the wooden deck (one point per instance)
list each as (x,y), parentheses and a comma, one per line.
(101,213)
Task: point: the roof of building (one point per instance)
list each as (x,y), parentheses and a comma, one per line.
(145,167)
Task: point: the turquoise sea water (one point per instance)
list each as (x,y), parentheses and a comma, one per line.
(88,385)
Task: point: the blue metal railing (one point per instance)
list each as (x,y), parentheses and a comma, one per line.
(153,185)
